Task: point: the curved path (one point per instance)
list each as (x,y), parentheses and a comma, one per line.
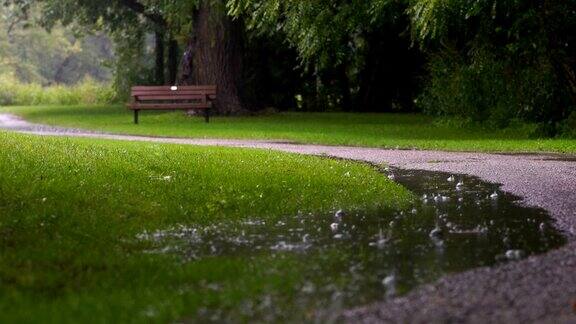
(538,289)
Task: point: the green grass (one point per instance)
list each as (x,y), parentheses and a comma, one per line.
(70,210)
(87,92)
(373,130)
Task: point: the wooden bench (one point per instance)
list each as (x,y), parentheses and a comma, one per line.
(172,98)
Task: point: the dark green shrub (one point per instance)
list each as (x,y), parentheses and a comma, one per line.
(488,89)
(568,126)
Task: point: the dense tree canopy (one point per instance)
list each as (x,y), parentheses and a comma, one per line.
(489,60)
(499,60)
(359,52)
(30,54)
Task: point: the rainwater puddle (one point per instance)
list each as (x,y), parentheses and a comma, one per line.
(349,259)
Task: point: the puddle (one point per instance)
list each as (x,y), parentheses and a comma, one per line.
(354,259)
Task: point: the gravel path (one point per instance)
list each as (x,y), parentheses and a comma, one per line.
(537,289)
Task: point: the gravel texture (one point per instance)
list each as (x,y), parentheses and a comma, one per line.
(538,289)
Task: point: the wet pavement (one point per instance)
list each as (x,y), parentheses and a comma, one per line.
(539,288)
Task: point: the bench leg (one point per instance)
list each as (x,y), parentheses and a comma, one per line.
(207,115)
(136,116)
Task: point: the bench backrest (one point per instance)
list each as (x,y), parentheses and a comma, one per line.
(183,93)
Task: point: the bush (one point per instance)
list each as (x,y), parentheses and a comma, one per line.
(489,90)
(568,126)
(14,92)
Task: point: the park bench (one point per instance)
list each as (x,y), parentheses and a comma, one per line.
(172,98)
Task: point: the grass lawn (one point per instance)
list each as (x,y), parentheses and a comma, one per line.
(71,211)
(374,130)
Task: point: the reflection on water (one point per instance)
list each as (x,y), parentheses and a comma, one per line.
(347,259)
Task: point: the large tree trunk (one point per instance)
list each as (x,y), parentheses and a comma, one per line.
(214,56)
(159,61)
(172,60)
(343,83)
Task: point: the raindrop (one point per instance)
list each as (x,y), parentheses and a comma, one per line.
(380,242)
(436,233)
(389,281)
(308,288)
(543,227)
(514,254)
(334,227)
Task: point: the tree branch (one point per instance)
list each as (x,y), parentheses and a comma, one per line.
(137,7)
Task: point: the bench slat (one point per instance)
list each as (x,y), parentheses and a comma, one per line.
(171,93)
(169,97)
(174,91)
(170,106)
(145,97)
(154,88)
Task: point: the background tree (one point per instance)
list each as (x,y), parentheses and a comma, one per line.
(358,53)
(499,60)
(491,61)
(214,53)
(218,50)
(494,61)
(30,54)
(213,40)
